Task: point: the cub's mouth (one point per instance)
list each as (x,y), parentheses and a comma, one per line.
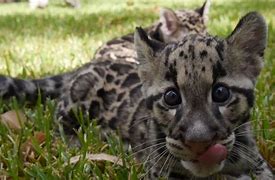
(208,162)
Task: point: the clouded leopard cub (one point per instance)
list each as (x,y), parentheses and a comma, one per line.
(186,105)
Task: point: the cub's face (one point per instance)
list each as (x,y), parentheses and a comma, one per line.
(201,89)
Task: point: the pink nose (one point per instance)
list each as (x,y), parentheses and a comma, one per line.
(198,147)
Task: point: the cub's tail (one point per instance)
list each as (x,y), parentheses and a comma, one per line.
(29,90)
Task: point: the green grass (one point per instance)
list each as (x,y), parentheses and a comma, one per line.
(58,39)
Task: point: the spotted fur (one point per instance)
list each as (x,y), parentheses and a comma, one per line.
(131,98)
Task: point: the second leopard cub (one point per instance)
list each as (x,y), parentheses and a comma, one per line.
(186,105)
(172,26)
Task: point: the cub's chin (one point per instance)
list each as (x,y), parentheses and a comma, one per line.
(202,170)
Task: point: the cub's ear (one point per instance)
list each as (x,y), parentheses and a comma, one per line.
(247,44)
(169,21)
(204,10)
(250,34)
(146,48)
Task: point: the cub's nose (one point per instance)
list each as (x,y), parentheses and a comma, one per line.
(198,147)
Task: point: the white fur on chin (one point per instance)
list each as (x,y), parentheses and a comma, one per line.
(201,170)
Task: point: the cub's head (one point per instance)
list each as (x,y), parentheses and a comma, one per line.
(174,25)
(200,89)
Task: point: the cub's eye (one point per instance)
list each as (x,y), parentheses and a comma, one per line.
(172,97)
(220,93)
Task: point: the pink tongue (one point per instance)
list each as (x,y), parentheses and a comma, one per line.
(214,155)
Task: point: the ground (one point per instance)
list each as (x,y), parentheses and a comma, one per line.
(57,39)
